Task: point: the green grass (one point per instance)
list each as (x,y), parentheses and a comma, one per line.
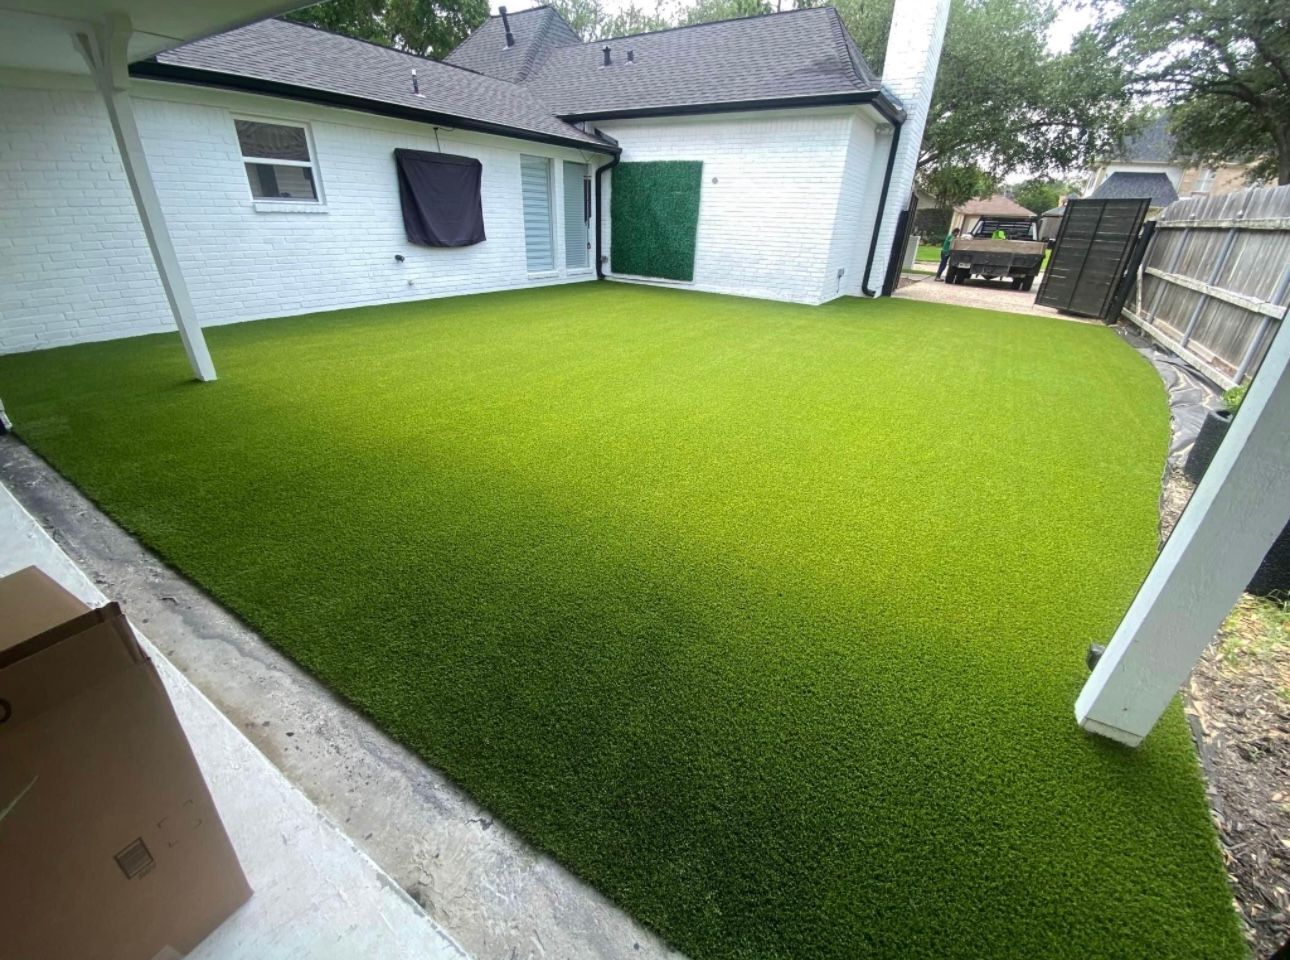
(767,620)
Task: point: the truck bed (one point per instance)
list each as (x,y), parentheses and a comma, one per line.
(986,245)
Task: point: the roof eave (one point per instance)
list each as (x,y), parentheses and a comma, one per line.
(173,73)
(878,98)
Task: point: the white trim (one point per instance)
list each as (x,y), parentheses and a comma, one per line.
(661,281)
(289,206)
(311,164)
(271,161)
(1236,513)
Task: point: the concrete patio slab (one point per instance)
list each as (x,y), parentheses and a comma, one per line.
(317,896)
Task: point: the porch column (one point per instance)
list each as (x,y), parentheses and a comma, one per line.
(104,47)
(1236,513)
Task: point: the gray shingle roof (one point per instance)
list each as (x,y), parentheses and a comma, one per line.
(537,32)
(1152,144)
(1137,186)
(784,56)
(792,54)
(303,57)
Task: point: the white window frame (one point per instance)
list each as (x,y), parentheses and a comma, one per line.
(312,164)
(587,177)
(1205,178)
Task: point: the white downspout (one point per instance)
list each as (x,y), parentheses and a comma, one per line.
(909,71)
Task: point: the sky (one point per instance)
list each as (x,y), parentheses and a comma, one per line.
(1071,18)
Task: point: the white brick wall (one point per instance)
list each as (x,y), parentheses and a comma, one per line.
(857,204)
(785,213)
(909,71)
(767,223)
(74,264)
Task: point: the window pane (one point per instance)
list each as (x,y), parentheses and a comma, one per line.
(271,141)
(272,182)
(535,179)
(575,215)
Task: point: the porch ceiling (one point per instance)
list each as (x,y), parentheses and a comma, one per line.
(37,34)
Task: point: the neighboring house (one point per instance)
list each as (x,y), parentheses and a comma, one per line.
(272,148)
(1151,152)
(1155,188)
(1050,221)
(999,206)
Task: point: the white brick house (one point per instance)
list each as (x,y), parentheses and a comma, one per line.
(797,154)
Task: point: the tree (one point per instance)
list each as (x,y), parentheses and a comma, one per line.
(591,21)
(951,184)
(633,19)
(1003,101)
(705,11)
(1223,66)
(430,28)
(1040,193)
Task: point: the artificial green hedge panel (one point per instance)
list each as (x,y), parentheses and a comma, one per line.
(654,208)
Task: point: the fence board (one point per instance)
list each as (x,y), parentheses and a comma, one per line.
(1216,279)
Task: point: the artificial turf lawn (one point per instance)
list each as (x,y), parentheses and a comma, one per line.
(768,620)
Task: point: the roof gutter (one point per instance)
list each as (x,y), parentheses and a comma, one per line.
(877,98)
(882,206)
(600,266)
(172,73)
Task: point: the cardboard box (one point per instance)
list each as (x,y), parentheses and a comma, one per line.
(110,844)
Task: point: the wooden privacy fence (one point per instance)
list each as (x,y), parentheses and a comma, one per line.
(1215,281)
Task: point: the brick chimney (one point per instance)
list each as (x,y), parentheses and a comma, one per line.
(909,71)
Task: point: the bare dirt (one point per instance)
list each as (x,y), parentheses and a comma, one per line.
(1238,703)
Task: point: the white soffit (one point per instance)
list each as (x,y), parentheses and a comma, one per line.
(37,34)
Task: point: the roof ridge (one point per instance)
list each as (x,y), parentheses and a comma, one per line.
(840,34)
(317,29)
(371,43)
(517,13)
(527,66)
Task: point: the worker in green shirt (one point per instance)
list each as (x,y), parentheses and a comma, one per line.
(999,234)
(945,251)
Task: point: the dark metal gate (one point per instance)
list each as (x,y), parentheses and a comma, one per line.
(1088,262)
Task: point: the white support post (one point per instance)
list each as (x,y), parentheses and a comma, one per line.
(104,47)
(1236,513)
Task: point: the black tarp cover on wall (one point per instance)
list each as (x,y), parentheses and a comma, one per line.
(439,193)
